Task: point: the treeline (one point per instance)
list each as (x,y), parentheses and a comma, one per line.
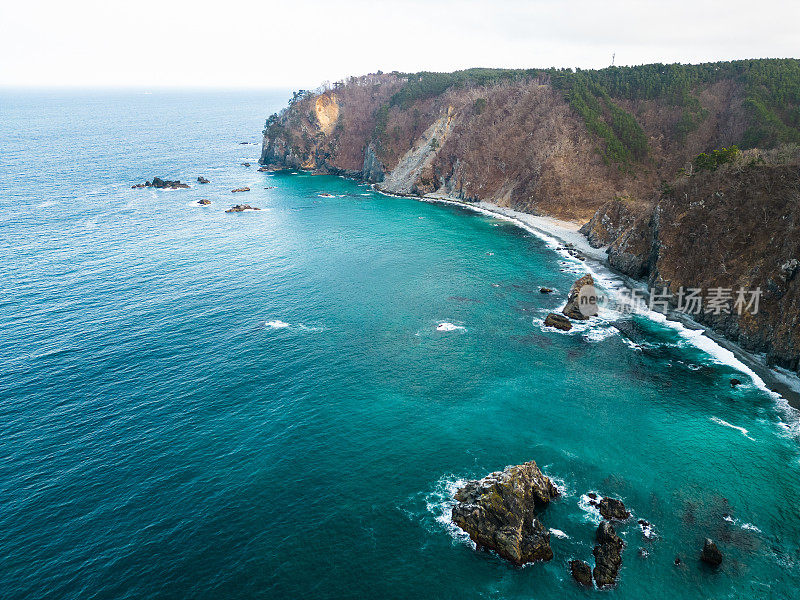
(771,87)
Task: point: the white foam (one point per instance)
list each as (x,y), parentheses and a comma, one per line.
(46,203)
(440,503)
(750,527)
(276,324)
(445,326)
(591,512)
(647,530)
(559,534)
(744,431)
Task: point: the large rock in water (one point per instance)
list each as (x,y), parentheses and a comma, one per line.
(499,512)
(611,508)
(581,572)
(607,555)
(711,554)
(581,303)
(558,321)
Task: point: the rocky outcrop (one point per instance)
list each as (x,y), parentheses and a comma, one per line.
(241,208)
(159,183)
(613,509)
(204,202)
(558,321)
(372,171)
(607,555)
(581,301)
(581,572)
(202,179)
(241,189)
(710,554)
(499,512)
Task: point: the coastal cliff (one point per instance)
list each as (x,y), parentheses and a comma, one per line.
(617,149)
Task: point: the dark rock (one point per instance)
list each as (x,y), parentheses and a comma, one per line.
(558,321)
(607,555)
(611,508)
(711,554)
(241,189)
(581,302)
(202,179)
(262,169)
(735,382)
(245,164)
(592,495)
(677,560)
(581,572)
(204,202)
(159,183)
(498,512)
(545,290)
(241,208)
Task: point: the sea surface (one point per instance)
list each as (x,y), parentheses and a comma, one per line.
(195,404)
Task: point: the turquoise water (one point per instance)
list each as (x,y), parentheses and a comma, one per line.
(196,404)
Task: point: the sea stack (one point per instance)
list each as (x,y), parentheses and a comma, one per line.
(499,513)
(582,300)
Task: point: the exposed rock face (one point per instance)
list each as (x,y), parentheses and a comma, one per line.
(607,555)
(580,304)
(372,170)
(581,572)
(711,554)
(611,508)
(499,513)
(241,208)
(241,189)
(159,183)
(558,321)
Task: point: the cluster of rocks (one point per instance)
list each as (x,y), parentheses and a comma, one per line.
(241,208)
(572,251)
(241,189)
(204,201)
(159,183)
(581,305)
(501,512)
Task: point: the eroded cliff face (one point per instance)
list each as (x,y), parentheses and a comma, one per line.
(522,144)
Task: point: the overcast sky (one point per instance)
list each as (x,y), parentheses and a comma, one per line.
(300,43)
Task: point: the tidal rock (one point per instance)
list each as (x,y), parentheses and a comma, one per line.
(241,189)
(558,321)
(241,208)
(545,290)
(204,202)
(581,572)
(607,555)
(735,382)
(581,301)
(262,169)
(245,164)
(611,508)
(202,179)
(159,183)
(711,554)
(677,560)
(499,512)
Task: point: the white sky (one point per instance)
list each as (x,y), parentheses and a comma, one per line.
(300,43)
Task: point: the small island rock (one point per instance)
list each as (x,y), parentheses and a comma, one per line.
(611,508)
(202,179)
(607,555)
(545,290)
(558,321)
(204,202)
(499,512)
(711,554)
(581,303)
(159,183)
(581,572)
(241,189)
(241,208)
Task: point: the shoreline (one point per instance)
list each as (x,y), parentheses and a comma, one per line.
(784,386)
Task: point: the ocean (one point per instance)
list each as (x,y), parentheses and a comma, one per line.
(197,404)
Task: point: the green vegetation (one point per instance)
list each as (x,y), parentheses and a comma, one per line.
(711,161)
(771,98)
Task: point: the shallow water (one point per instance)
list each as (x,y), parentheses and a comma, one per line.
(201,404)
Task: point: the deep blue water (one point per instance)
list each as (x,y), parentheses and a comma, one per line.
(196,404)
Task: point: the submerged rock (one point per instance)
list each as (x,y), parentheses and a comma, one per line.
(607,555)
(581,301)
(711,554)
(241,208)
(499,512)
(241,189)
(611,508)
(558,321)
(159,183)
(581,572)
(735,382)
(202,179)
(245,164)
